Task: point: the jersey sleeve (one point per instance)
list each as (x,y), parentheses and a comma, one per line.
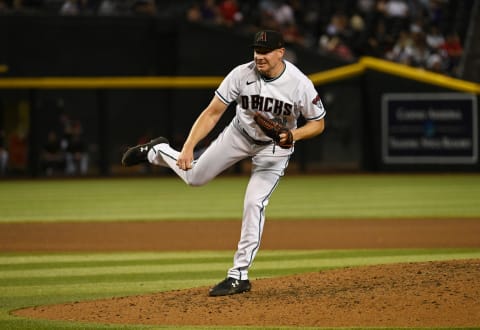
(312,104)
(229,90)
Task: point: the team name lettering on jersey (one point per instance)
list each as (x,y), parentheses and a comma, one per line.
(266,104)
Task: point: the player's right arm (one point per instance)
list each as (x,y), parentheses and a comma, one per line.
(205,122)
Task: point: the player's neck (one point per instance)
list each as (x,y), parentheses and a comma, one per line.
(275,73)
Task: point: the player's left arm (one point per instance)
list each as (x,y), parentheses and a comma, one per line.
(311,129)
(205,122)
(312,108)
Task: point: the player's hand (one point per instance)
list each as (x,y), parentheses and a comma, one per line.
(283,138)
(185,159)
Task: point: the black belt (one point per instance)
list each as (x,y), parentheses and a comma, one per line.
(249,138)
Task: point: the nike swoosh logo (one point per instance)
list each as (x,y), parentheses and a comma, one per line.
(250,82)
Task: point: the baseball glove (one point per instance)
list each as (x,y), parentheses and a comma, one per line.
(273,130)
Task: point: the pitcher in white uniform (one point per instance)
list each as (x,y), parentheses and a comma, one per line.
(279,90)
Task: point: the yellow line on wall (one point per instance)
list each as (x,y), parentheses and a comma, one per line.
(418,74)
(185,82)
(343,72)
(109,82)
(395,69)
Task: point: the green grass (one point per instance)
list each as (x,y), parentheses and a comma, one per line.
(44,278)
(311,197)
(37,279)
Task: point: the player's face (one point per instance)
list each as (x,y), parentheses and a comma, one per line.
(269,62)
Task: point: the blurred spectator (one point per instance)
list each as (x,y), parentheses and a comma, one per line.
(420,51)
(112,7)
(18,150)
(396,8)
(283,14)
(402,50)
(335,46)
(21,6)
(267,15)
(76,153)
(3,153)
(359,35)
(107,8)
(434,38)
(194,13)
(205,11)
(435,11)
(396,12)
(435,63)
(78,7)
(292,35)
(145,7)
(64,126)
(365,6)
(453,50)
(230,12)
(380,41)
(70,8)
(338,26)
(345,28)
(53,156)
(337,33)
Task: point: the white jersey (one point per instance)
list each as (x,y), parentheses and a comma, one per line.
(283,98)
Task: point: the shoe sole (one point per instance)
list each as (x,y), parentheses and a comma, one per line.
(212,294)
(150,144)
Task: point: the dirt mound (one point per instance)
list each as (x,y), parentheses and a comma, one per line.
(443,294)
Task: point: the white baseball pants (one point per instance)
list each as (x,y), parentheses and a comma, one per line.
(268,165)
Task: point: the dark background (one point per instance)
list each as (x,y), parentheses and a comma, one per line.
(113,119)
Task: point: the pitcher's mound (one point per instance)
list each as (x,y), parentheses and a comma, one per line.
(443,294)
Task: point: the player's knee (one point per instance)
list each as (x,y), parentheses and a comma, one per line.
(250,203)
(196,182)
(196,178)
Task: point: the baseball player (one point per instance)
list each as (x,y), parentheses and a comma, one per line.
(277,90)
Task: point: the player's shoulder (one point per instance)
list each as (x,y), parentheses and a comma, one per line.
(298,75)
(245,68)
(294,71)
(242,72)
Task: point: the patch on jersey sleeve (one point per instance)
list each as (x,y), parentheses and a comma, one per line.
(317,101)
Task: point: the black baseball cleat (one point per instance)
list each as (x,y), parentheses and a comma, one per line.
(138,154)
(230,286)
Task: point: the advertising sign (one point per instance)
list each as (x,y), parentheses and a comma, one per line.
(433,128)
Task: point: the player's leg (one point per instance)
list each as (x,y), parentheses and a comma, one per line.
(266,173)
(227,149)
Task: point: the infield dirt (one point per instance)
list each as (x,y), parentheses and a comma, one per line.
(442,294)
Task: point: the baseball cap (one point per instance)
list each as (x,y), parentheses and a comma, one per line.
(268,39)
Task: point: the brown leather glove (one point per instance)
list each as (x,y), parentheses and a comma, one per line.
(273,130)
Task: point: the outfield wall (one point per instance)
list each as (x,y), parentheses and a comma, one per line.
(125,78)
